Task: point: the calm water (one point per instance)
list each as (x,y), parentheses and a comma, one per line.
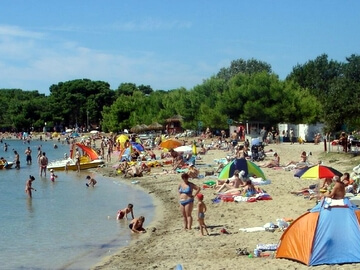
(65,225)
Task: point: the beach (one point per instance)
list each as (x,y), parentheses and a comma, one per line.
(166,244)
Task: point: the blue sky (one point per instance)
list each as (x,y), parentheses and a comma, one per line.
(165,44)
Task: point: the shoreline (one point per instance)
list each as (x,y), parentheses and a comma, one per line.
(166,244)
(170,245)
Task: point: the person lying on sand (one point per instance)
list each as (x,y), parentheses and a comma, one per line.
(273,163)
(294,165)
(234,183)
(315,188)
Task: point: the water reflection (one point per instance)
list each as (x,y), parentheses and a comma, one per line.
(29,205)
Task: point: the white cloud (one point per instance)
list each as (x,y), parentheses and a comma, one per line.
(15,31)
(29,62)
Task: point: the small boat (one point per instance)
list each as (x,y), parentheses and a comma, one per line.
(7,165)
(89,160)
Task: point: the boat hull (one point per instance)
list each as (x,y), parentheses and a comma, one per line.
(73,167)
(9,165)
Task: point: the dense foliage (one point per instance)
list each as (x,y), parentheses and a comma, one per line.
(320,90)
(335,85)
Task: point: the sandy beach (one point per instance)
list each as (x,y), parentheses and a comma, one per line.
(167,244)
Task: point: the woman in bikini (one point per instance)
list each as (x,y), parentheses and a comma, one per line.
(186,199)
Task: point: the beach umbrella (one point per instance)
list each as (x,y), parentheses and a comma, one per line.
(122,139)
(241,164)
(171,143)
(138,146)
(186,149)
(317,172)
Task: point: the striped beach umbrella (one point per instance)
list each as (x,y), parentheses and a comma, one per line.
(317,172)
(241,164)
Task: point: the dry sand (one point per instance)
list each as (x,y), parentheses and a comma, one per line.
(170,245)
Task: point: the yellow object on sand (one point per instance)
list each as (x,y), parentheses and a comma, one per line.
(194,150)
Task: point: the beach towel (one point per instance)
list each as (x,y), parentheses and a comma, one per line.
(258,181)
(253,229)
(257,197)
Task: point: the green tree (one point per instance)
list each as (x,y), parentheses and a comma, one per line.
(78,101)
(250,66)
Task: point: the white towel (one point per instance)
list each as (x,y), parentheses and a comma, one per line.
(253,229)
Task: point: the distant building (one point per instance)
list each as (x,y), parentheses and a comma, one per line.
(173,124)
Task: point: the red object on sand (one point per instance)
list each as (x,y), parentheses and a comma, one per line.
(227,198)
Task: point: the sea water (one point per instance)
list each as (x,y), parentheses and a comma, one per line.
(66,225)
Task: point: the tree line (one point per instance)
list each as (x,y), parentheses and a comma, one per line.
(321,90)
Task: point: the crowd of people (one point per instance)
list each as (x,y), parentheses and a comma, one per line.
(136,166)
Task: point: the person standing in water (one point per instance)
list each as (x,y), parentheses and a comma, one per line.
(17,160)
(28,156)
(77,160)
(28,186)
(43,163)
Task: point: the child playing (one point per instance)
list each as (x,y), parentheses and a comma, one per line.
(124,212)
(201,214)
(136,225)
(52,175)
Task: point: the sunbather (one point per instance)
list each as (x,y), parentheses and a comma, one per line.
(234,183)
(338,191)
(250,190)
(303,163)
(325,187)
(315,189)
(273,163)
